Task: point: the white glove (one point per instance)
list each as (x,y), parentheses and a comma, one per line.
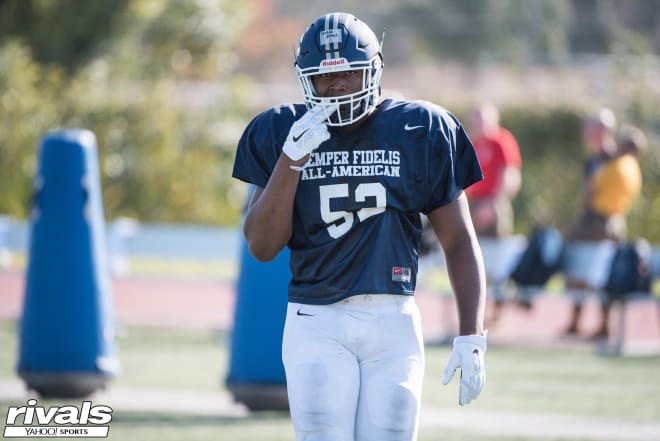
(468,354)
(306,134)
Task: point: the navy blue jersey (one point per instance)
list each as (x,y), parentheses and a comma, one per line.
(356,220)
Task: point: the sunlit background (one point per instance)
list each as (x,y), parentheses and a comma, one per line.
(167,87)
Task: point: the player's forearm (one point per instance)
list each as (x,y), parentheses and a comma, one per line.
(265,236)
(268,223)
(453,226)
(467,277)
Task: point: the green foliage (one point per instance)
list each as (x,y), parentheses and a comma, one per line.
(469,30)
(160,161)
(40,23)
(29,95)
(552,155)
(515,30)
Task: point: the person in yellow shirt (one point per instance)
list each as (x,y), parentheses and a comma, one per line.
(616,185)
(610,193)
(598,134)
(614,188)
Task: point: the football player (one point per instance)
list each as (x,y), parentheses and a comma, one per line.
(341,180)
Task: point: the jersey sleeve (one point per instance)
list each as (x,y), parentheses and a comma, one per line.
(260,146)
(453,164)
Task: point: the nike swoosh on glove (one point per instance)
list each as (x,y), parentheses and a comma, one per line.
(468,355)
(306,134)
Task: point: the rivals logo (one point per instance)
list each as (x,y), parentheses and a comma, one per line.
(73,421)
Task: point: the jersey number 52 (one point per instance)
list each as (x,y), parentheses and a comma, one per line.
(337,229)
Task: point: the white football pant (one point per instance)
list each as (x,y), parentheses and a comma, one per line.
(354,369)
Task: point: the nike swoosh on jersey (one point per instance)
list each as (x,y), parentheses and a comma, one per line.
(303,313)
(408,127)
(296,138)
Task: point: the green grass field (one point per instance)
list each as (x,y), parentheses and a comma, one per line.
(533,386)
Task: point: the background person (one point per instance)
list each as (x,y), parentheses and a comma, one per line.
(499,156)
(595,225)
(616,185)
(598,136)
(490,200)
(613,189)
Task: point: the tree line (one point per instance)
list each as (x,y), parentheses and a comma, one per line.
(117,67)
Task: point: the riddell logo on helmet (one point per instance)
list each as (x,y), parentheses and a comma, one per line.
(333,62)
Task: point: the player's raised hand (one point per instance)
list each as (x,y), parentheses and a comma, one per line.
(468,355)
(307,134)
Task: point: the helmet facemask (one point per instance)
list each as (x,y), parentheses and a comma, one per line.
(346,109)
(339,42)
